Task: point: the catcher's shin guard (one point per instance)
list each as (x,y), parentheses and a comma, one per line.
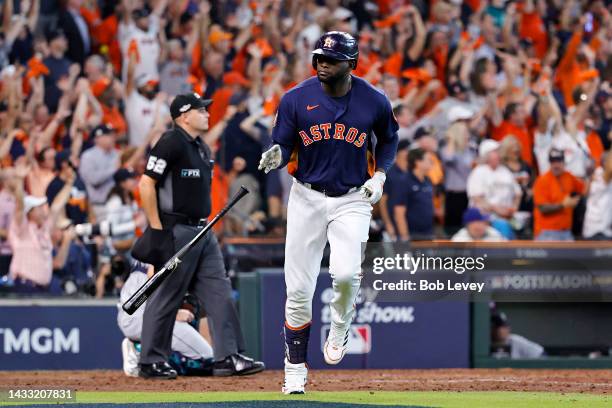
(296,343)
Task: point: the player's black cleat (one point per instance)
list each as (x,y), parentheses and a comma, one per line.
(237,364)
(296,393)
(157,371)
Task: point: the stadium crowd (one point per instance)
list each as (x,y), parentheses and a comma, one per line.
(504,107)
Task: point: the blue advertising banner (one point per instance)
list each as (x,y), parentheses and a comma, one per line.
(383,335)
(49,337)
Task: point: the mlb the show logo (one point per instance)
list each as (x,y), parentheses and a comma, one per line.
(359,339)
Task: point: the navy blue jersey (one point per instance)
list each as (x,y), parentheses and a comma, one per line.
(335,143)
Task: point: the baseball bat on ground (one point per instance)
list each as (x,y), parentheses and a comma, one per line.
(147,288)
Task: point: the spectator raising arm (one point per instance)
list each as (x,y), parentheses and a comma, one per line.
(59,260)
(60,200)
(248,125)
(37,96)
(7,142)
(16,185)
(153,135)
(211,137)
(46,137)
(420,32)
(33,14)
(76,137)
(130,82)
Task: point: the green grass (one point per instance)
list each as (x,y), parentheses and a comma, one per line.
(428,399)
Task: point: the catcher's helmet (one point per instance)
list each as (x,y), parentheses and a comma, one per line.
(337,45)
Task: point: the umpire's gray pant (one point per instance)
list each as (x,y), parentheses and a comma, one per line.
(202,273)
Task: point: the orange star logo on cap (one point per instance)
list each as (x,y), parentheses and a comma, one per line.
(329,42)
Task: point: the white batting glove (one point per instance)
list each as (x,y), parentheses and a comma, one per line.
(372,190)
(271,159)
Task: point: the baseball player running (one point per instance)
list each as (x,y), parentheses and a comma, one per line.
(323,133)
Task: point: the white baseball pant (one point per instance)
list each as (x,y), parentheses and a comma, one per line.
(185,338)
(312,220)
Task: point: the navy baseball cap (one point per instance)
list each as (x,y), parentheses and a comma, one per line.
(473,214)
(101,130)
(421,132)
(186,102)
(122,175)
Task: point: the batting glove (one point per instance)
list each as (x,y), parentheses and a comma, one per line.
(271,159)
(372,189)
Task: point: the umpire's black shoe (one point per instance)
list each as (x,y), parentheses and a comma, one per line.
(157,371)
(237,364)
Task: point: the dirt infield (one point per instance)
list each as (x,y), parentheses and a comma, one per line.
(583,381)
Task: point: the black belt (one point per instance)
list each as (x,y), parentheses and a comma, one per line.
(174,218)
(323,190)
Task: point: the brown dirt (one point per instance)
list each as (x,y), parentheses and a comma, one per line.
(582,381)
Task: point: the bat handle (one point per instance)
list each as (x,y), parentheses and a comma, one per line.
(241,193)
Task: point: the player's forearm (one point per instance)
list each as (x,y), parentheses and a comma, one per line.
(385,154)
(61,199)
(149,202)
(400,220)
(550,208)
(18,193)
(59,260)
(384,214)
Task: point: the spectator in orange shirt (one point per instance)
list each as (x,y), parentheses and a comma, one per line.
(556,194)
(514,124)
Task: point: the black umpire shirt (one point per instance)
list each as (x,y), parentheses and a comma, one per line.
(183,170)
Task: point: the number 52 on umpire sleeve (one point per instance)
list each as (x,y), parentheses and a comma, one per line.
(156,164)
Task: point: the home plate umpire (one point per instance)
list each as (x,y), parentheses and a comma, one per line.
(175,191)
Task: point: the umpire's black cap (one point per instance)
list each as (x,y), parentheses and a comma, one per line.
(337,45)
(186,102)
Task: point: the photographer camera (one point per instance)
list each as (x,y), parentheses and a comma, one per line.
(71,260)
(115,234)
